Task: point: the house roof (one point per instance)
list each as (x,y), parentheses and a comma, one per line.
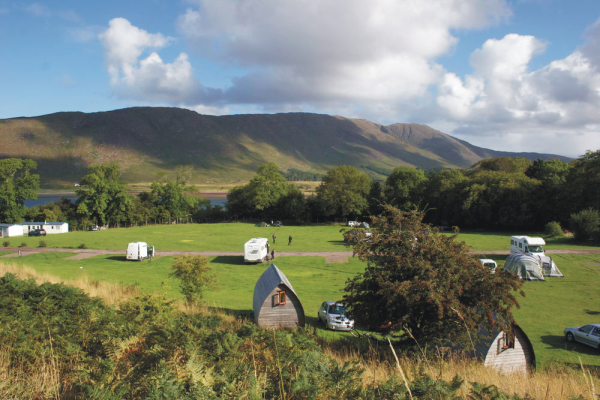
(269,280)
(42,223)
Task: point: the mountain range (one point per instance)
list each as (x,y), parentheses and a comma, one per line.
(146,141)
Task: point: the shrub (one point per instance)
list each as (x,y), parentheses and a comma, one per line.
(553,229)
(195,276)
(82,246)
(586,224)
(6,243)
(23,244)
(43,243)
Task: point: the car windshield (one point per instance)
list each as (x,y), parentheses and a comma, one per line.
(536,249)
(337,309)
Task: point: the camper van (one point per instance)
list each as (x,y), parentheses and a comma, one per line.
(491,264)
(256,250)
(137,251)
(527,245)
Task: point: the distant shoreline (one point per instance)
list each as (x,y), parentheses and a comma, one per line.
(202,194)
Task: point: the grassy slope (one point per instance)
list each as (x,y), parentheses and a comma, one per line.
(548,308)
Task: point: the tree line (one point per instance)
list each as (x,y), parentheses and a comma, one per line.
(497,193)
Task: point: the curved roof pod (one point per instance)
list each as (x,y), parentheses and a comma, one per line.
(275,302)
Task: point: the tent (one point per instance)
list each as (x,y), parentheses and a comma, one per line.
(525,266)
(549,268)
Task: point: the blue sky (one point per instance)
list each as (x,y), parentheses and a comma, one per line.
(521,75)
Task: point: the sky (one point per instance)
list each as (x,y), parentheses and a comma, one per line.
(513,75)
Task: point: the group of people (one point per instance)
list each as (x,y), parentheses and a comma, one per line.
(274,237)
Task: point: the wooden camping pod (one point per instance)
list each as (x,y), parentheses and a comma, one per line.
(276,304)
(507,352)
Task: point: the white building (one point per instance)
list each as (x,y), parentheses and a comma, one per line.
(49,227)
(10,230)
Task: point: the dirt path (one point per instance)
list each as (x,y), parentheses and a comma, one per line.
(330,256)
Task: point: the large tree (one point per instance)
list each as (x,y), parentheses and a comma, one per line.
(404,187)
(176,199)
(17,183)
(262,194)
(102,196)
(425,283)
(344,191)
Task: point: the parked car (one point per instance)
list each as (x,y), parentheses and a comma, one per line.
(352,235)
(364,225)
(333,315)
(352,223)
(586,334)
(37,232)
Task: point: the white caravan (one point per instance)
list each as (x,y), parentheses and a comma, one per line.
(137,251)
(256,250)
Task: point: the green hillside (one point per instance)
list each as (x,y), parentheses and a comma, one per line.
(224,149)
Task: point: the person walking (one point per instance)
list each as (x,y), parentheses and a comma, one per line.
(273,254)
(274,237)
(290,240)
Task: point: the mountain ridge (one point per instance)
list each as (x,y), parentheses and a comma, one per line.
(146,141)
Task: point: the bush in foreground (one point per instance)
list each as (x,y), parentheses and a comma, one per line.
(553,230)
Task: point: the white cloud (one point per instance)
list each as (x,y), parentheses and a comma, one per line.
(556,105)
(38,10)
(377,55)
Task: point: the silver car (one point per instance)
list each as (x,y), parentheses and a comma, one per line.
(586,334)
(333,316)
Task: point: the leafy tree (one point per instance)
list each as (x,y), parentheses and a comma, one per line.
(586,224)
(582,187)
(102,196)
(443,196)
(553,230)
(503,164)
(344,191)
(262,194)
(425,283)
(500,199)
(404,187)
(551,195)
(194,276)
(376,198)
(17,183)
(176,199)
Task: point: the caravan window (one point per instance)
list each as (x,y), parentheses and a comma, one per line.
(520,245)
(536,249)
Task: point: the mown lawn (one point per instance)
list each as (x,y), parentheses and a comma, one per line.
(232,236)
(547,309)
(197,237)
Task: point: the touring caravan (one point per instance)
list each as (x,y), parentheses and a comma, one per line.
(256,250)
(137,251)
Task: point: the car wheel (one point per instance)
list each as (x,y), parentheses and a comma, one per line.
(570,337)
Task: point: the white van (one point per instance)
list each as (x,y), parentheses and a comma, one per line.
(491,264)
(527,245)
(137,251)
(256,250)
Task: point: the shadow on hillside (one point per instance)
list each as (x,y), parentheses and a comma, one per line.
(559,342)
(230,260)
(337,242)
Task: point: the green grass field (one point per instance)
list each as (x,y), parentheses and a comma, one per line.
(232,236)
(547,309)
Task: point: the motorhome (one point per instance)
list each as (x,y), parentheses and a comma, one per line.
(532,246)
(137,251)
(256,250)
(527,245)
